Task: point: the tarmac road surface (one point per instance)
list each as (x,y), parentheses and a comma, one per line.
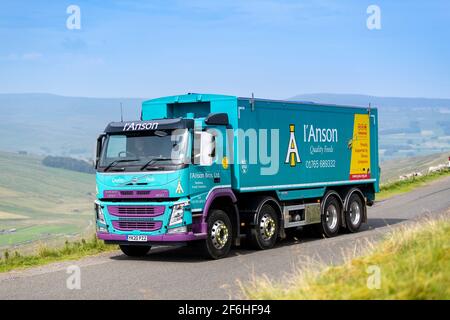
(179,273)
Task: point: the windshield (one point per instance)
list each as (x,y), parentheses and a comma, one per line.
(154,150)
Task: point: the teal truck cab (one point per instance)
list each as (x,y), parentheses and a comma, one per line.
(210,170)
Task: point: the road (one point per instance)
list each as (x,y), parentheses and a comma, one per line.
(178,273)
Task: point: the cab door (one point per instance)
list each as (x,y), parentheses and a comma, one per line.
(211,168)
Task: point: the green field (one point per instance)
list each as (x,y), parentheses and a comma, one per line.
(38,203)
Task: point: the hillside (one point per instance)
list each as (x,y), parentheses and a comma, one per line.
(408,127)
(48,124)
(41,203)
(380,102)
(56,125)
(391,170)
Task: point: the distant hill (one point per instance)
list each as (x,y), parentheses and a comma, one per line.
(408,127)
(56,125)
(379,102)
(48,124)
(68,164)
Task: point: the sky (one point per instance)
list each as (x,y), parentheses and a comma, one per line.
(276,49)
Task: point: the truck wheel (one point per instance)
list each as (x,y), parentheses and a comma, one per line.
(354,213)
(218,242)
(265,233)
(135,251)
(331,217)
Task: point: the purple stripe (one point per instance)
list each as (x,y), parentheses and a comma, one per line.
(112,237)
(136,211)
(216,193)
(127,225)
(135,194)
(160,238)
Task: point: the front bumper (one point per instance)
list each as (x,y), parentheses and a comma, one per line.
(112,230)
(171,238)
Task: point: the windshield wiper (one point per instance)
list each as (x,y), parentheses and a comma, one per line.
(112,164)
(154,160)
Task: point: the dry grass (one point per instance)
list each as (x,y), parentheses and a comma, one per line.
(413,260)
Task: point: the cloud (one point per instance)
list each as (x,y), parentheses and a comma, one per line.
(27,56)
(426,133)
(31,56)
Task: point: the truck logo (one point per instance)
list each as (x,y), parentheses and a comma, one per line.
(292,156)
(118,180)
(179,188)
(140,126)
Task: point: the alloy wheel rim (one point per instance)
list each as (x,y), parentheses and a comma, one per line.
(355,213)
(331,216)
(219,234)
(267,227)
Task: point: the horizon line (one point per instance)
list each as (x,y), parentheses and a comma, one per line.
(289,98)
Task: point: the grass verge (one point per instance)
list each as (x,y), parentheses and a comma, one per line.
(413,261)
(44,255)
(402,186)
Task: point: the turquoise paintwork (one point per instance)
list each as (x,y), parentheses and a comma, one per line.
(166,181)
(163,180)
(307,193)
(237,171)
(278,115)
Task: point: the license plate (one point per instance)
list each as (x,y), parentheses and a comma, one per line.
(137,238)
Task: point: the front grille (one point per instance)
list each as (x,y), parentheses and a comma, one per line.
(126,193)
(130,225)
(135,194)
(141,193)
(136,211)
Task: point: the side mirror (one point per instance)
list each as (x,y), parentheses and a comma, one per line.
(99,149)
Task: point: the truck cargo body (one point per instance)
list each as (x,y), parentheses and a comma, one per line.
(322,135)
(248,168)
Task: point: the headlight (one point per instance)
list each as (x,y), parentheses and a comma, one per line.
(102,229)
(182,229)
(177,213)
(99,212)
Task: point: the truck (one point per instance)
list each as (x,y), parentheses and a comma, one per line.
(212,171)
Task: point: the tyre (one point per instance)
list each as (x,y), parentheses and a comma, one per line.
(265,233)
(330,217)
(354,213)
(220,235)
(135,251)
